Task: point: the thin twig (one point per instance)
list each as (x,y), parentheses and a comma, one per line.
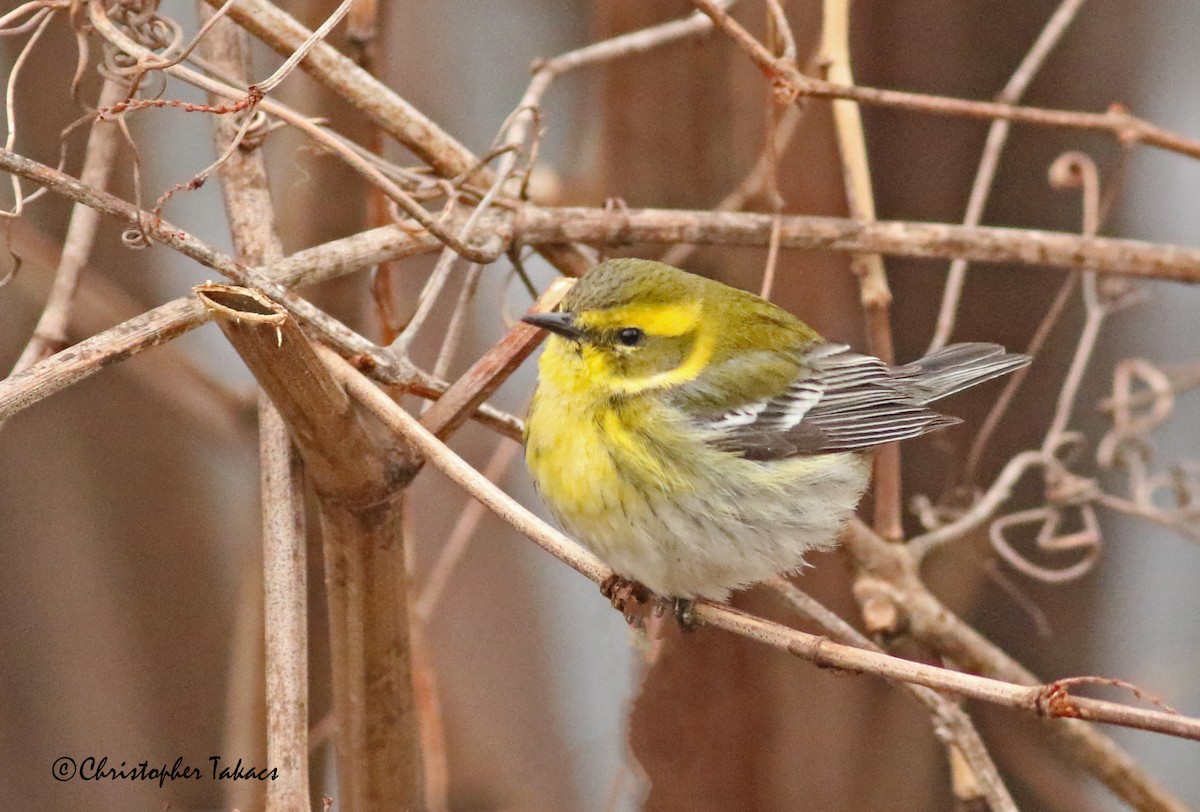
(458,321)
(760,176)
(635,42)
(460,535)
(989,162)
(1033,349)
(1040,700)
(50,333)
(1116,121)
(10,115)
(1077,170)
(285,594)
(294,58)
(768,281)
(951,722)
(781,30)
(874,293)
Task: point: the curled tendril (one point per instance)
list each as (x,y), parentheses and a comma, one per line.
(135,238)
(115,65)
(1066,494)
(261,125)
(1049,520)
(1180,490)
(1073,170)
(1142,400)
(949,507)
(141,22)
(1077,170)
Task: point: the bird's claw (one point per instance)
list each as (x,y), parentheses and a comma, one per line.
(623,594)
(685,614)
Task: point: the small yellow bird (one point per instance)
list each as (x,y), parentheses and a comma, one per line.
(699,439)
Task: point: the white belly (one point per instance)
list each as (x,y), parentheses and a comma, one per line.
(708,543)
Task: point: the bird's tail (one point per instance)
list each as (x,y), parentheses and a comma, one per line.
(955,368)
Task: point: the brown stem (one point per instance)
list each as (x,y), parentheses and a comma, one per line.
(930,622)
(285,612)
(393,114)
(485,376)
(1036,699)
(50,333)
(538,226)
(1116,121)
(989,162)
(251,217)
(947,716)
(910,239)
(358,481)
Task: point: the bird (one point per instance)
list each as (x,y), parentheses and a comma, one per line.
(699,439)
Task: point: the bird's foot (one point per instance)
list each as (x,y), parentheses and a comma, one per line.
(683,609)
(624,594)
(685,614)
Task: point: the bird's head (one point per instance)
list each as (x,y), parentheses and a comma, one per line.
(633,325)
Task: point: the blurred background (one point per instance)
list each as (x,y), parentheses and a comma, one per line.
(131,584)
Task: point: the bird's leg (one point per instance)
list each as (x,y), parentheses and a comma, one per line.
(621,592)
(684,610)
(685,614)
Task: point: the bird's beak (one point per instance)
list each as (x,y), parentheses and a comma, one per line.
(561,323)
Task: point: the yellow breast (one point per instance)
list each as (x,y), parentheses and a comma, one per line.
(576,439)
(661,505)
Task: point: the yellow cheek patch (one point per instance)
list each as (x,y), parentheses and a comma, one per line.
(655,320)
(693,365)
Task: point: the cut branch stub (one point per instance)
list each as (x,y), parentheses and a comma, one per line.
(342,456)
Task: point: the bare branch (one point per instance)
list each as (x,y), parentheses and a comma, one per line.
(874,293)
(1117,121)
(947,716)
(922,240)
(1041,700)
(358,481)
(381,104)
(928,620)
(285,592)
(50,333)
(989,162)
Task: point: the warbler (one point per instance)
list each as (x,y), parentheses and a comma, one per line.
(699,439)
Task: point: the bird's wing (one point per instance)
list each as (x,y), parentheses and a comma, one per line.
(842,401)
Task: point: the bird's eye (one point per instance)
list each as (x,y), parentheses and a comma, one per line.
(630,336)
